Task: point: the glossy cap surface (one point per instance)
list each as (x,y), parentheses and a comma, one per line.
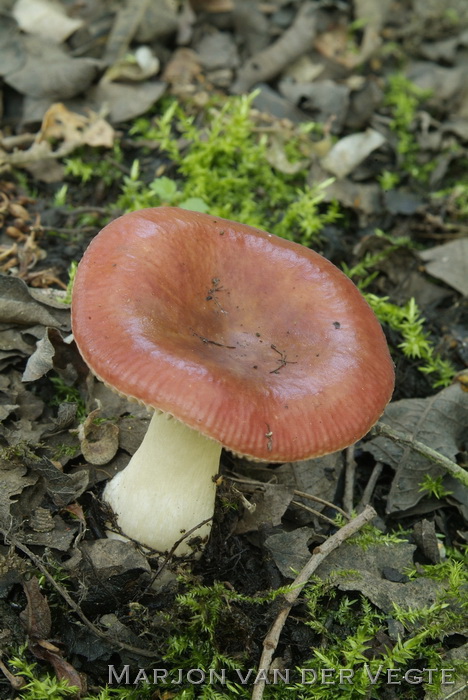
(255,341)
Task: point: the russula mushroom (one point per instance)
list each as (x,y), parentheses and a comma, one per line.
(235,338)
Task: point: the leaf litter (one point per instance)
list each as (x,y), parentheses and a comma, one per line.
(312,66)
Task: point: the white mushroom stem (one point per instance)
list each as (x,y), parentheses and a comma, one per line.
(167,487)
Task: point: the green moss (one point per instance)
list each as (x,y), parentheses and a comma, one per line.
(346,633)
(434,486)
(92,163)
(406,319)
(370,535)
(404,98)
(225,168)
(415,344)
(64,393)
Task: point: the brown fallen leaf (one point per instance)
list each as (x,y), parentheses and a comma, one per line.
(46,19)
(437,421)
(47,71)
(70,129)
(59,123)
(271,502)
(99,442)
(36,616)
(37,620)
(183,70)
(449,263)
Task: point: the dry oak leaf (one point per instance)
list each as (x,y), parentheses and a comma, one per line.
(439,422)
(59,123)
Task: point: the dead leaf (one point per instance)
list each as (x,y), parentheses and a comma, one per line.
(366,198)
(118,631)
(14,480)
(59,123)
(217,50)
(106,558)
(303,70)
(271,502)
(99,441)
(17,306)
(449,263)
(124,102)
(352,568)
(132,430)
(48,71)
(62,488)
(425,536)
(6,409)
(41,361)
(314,476)
(212,5)
(350,151)
(289,550)
(60,538)
(11,46)
(337,45)
(52,352)
(325,100)
(36,617)
(182,70)
(293,43)
(30,406)
(439,422)
(45,18)
(159,22)
(38,622)
(443,83)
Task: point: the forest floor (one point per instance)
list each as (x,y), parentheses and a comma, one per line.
(342,126)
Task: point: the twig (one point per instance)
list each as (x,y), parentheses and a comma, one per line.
(16,682)
(323,502)
(302,494)
(370,486)
(456,691)
(69,600)
(317,513)
(170,553)
(406,439)
(319,554)
(266,64)
(349,479)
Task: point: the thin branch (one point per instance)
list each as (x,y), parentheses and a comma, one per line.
(317,513)
(319,554)
(456,692)
(70,602)
(302,494)
(269,62)
(323,502)
(170,553)
(350,473)
(370,486)
(406,439)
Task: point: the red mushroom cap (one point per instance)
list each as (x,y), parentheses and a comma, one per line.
(255,341)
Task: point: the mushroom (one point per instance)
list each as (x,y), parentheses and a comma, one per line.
(235,338)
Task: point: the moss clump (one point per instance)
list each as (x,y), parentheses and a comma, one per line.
(225,168)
